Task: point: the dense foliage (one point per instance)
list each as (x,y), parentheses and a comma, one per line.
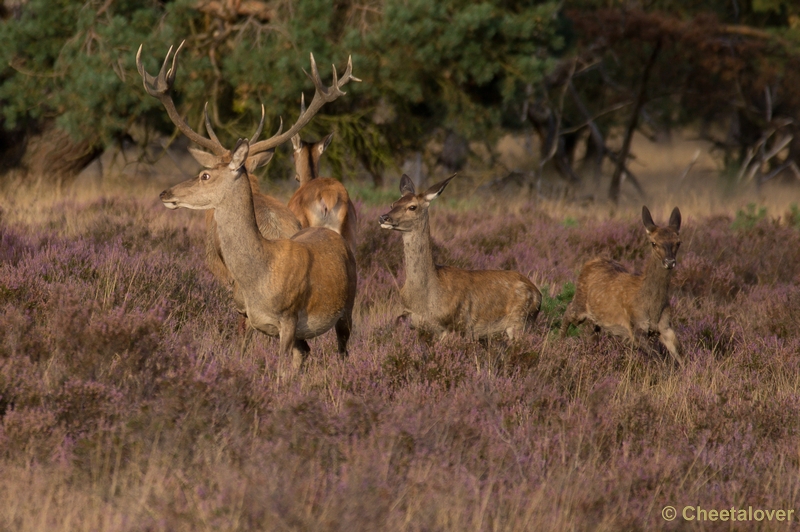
(453,64)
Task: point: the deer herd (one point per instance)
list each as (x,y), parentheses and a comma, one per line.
(292,269)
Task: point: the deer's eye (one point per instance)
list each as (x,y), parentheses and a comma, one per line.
(654,244)
(206,176)
(412,207)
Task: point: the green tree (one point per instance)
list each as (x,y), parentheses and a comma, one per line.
(456,64)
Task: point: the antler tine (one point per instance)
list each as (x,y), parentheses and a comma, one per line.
(160,86)
(322,95)
(209,129)
(260,127)
(348,73)
(302,103)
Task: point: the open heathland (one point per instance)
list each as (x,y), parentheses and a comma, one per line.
(126,404)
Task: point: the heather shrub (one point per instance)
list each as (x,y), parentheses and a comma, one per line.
(126,404)
(553,307)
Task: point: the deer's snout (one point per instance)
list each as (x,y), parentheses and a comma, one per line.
(669,263)
(166,199)
(386,221)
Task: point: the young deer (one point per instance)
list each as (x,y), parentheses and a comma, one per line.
(441,299)
(295,288)
(320,201)
(627,304)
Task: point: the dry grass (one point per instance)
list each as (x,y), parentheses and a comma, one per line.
(125,404)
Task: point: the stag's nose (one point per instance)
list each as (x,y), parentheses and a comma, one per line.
(163,195)
(669,263)
(384,219)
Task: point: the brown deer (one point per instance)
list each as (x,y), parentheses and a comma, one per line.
(442,299)
(626,304)
(274,219)
(295,289)
(320,201)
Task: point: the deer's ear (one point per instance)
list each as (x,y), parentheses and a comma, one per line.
(239,155)
(258,160)
(407,186)
(437,189)
(323,145)
(647,220)
(297,143)
(675,219)
(208,160)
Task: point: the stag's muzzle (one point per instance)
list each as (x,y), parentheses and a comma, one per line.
(669,263)
(386,222)
(168,199)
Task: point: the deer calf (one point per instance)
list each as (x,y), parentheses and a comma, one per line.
(441,299)
(626,304)
(320,201)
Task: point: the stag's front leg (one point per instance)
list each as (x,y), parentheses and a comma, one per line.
(286,334)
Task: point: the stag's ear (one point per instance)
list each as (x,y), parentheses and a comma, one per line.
(239,155)
(675,219)
(407,186)
(322,146)
(208,160)
(297,143)
(647,220)
(437,189)
(258,160)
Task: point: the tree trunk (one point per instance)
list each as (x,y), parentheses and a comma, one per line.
(52,155)
(616,179)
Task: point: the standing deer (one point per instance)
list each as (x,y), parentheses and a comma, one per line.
(320,201)
(295,289)
(274,219)
(442,299)
(627,304)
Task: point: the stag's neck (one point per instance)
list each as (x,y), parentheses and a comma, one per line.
(246,252)
(418,258)
(654,292)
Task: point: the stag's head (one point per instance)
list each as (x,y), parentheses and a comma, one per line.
(217,159)
(411,209)
(212,184)
(665,241)
(306,155)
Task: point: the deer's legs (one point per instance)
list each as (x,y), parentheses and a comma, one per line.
(343,334)
(286,342)
(247,335)
(300,353)
(668,338)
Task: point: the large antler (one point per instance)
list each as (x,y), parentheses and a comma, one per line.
(160,87)
(322,95)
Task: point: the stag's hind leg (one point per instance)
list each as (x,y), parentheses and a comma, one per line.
(300,353)
(343,327)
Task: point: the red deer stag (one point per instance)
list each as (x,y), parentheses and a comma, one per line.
(627,304)
(295,289)
(320,201)
(441,299)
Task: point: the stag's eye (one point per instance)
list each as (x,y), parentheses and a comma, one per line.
(654,244)
(412,207)
(206,176)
